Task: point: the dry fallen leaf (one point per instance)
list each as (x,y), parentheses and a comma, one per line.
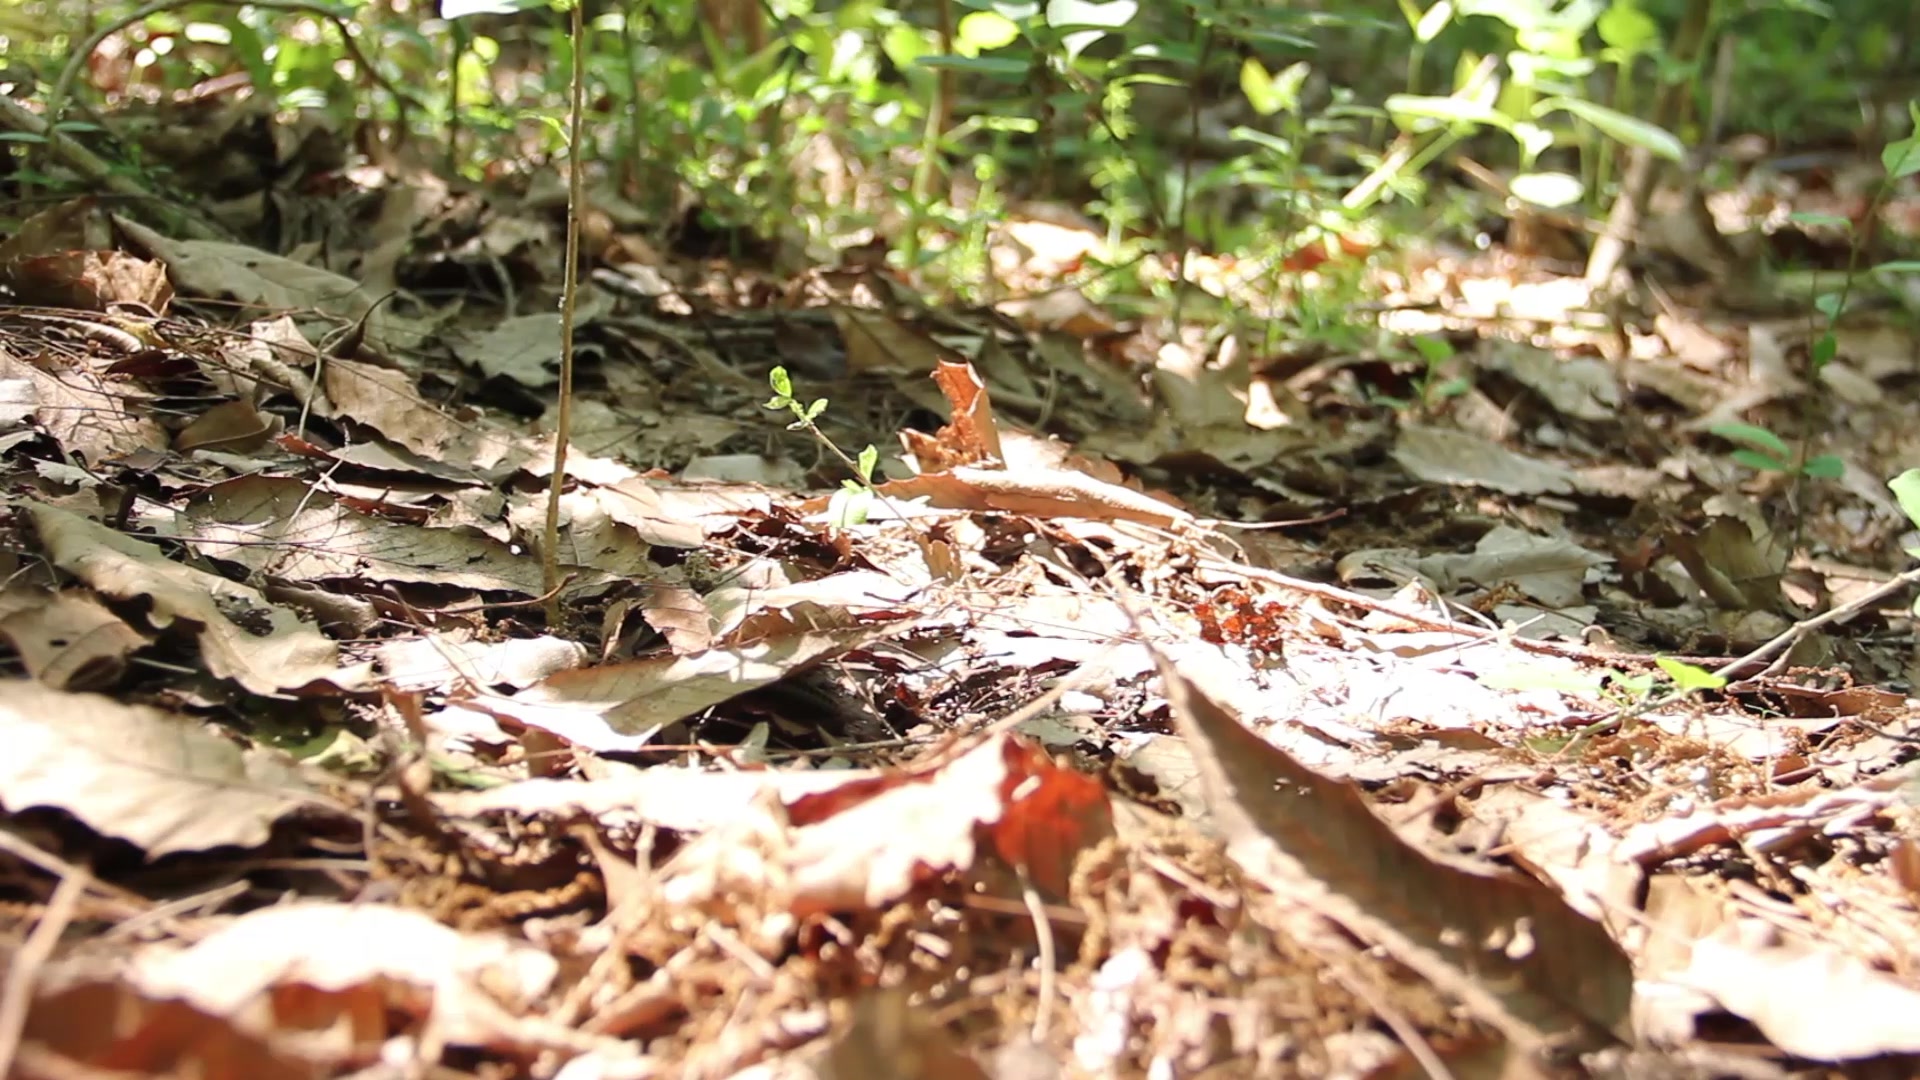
(67,640)
(351,975)
(242,637)
(1512,949)
(869,842)
(151,778)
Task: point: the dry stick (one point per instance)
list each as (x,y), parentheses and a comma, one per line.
(17,998)
(1049,991)
(1637,183)
(1783,641)
(569,300)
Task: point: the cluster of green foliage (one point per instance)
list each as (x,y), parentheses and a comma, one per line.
(1237,126)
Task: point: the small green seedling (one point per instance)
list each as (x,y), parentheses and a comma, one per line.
(851,504)
(1763,451)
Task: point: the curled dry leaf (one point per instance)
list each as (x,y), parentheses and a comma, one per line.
(1041,493)
(621,707)
(242,637)
(80,409)
(870,842)
(148,777)
(282,527)
(67,640)
(365,971)
(1512,949)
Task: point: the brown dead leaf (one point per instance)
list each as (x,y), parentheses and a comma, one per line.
(88,280)
(234,426)
(971,436)
(438,661)
(67,640)
(1510,948)
(68,226)
(68,1031)
(869,842)
(1063,309)
(386,401)
(621,707)
(242,637)
(524,349)
(282,527)
(682,800)
(877,342)
(1049,493)
(680,616)
(351,976)
(1810,999)
(268,282)
(153,779)
(84,410)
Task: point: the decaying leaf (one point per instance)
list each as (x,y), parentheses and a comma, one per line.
(242,637)
(361,972)
(867,843)
(1511,948)
(156,780)
(67,640)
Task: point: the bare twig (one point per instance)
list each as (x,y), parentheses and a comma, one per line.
(569,300)
(17,996)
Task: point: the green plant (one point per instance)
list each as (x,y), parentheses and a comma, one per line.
(1542,75)
(851,504)
(1432,385)
(1763,451)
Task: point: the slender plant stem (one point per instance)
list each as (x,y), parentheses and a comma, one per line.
(569,299)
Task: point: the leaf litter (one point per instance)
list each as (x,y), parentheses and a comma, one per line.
(1048,767)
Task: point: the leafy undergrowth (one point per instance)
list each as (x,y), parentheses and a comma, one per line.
(1173,709)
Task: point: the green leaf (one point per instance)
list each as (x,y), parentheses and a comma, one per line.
(849,508)
(1448,110)
(996,66)
(1435,20)
(1087,22)
(1688,677)
(460,9)
(1828,304)
(984,31)
(1625,27)
(1902,157)
(1899,266)
(1433,350)
(1260,138)
(868,459)
(1824,467)
(814,410)
(1906,488)
(1758,437)
(1635,686)
(782,384)
(1258,86)
(1630,130)
(1549,189)
(1812,220)
(1759,462)
(1823,350)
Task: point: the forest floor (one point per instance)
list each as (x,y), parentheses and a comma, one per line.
(1464,698)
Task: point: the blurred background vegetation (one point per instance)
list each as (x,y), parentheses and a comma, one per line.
(1286,135)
